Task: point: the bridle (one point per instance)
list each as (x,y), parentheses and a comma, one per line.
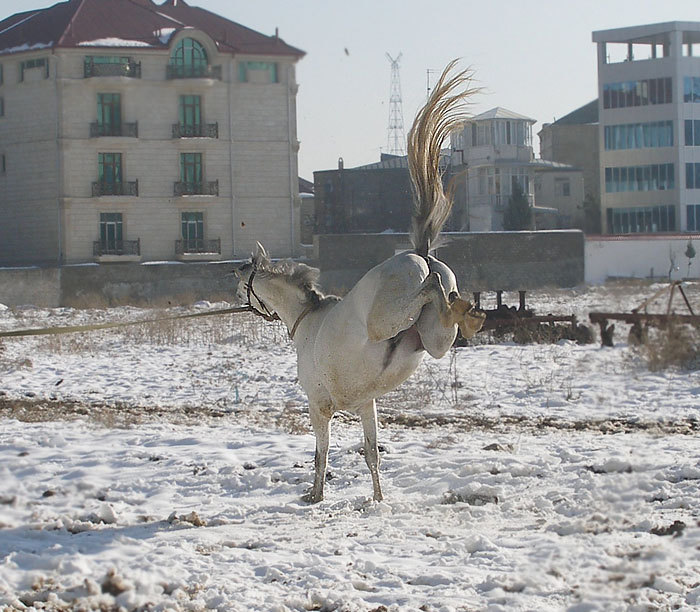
(266,313)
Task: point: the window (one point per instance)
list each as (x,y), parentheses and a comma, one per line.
(192,227)
(692,176)
(691,89)
(258,72)
(692,133)
(643,219)
(637,93)
(2,107)
(110,172)
(190,115)
(188,59)
(693,217)
(110,65)
(111,233)
(191,172)
(640,178)
(109,114)
(40,62)
(638,135)
(562,187)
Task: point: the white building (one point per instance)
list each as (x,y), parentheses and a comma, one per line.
(490,156)
(649,122)
(136,131)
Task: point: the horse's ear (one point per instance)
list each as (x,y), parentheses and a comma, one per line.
(260,253)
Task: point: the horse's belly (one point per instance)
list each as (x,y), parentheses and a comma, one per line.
(357,379)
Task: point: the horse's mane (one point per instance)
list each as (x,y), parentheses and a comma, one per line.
(302,276)
(444,112)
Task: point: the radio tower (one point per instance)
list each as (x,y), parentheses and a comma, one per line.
(395,139)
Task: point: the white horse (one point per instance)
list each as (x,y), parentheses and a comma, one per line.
(352,350)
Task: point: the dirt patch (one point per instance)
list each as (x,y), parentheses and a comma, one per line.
(295,420)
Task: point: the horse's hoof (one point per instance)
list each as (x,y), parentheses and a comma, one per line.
(310,498)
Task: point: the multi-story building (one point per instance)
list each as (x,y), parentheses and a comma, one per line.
(649,127)
(136,131)
(492,156)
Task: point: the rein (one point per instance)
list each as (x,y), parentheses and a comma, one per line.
(270,315)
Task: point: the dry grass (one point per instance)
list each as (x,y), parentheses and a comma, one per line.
(675,345)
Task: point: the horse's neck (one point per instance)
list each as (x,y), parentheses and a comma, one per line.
(286,300)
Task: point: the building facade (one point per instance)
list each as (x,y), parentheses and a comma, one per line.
(649,123)
(131,131)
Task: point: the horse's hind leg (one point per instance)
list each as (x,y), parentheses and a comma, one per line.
(393,312)
(321,422)
(369,425)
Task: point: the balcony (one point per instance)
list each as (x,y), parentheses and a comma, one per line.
(116,250)
(130,130)
(203,130)
(198,249)
(121,69)
(115,189)
(207,188)
(174,71)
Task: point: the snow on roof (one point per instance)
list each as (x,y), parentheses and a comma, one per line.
(113,42)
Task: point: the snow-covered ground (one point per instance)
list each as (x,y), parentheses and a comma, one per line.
(162,467)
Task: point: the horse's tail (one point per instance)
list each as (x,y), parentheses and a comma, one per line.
(443,112)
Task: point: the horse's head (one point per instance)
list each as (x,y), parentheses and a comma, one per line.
(245,272)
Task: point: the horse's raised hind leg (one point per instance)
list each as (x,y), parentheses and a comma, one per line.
(321,423)
(392,313)
(369,425)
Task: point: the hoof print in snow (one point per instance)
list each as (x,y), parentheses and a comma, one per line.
(478,498)
(192,518)
(496,446)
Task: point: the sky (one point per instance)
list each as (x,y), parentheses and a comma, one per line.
(534,58)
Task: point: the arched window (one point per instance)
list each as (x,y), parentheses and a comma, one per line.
(188,59)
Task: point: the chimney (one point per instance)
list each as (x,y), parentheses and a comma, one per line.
(341,164)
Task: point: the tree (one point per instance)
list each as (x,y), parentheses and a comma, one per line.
(591,214)
(518,214)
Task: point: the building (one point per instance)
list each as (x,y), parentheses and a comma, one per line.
(492,157)
(649,127)
(573,139)
(138,131)
(371,198)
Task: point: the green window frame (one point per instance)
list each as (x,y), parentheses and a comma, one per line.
(109,113)
(191,170)
(190,114)
(39,62)
(109,168)
(269,67)
(192,226)
(189,58)
(111,232)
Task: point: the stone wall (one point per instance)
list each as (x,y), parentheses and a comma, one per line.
(481,261)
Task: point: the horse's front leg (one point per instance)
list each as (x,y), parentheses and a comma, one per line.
(369,424)
(321,423)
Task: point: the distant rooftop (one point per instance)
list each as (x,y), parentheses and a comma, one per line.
(653,33)
(586,114)
(129,23)
(501,113)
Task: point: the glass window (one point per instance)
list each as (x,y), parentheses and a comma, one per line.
(111,232)
(192,228)
(689,176)
(189,59)
(259,72)
(109,168)
(109,117)
(191,170)
(693,217)
(190,115)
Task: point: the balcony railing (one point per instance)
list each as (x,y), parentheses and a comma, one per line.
(203,130)
(210,188)
(127,69)
(174,71)
(198,245)
(130,130)
(116,247)
(115,189)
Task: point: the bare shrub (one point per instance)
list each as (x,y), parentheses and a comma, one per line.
(675,345)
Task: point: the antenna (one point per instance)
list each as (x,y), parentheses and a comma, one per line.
(428,72)
(396,138)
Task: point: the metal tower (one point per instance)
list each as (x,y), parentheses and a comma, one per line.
(395,138)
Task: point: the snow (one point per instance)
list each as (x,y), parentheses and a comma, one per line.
(162,467)
(164,34)
(26,47)
(113,42)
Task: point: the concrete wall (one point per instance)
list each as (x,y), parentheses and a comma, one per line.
(481,261)
(110,285)
(640,256)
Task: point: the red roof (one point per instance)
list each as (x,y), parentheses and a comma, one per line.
(135,22)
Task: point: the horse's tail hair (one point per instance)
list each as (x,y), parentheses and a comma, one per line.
(444,112)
